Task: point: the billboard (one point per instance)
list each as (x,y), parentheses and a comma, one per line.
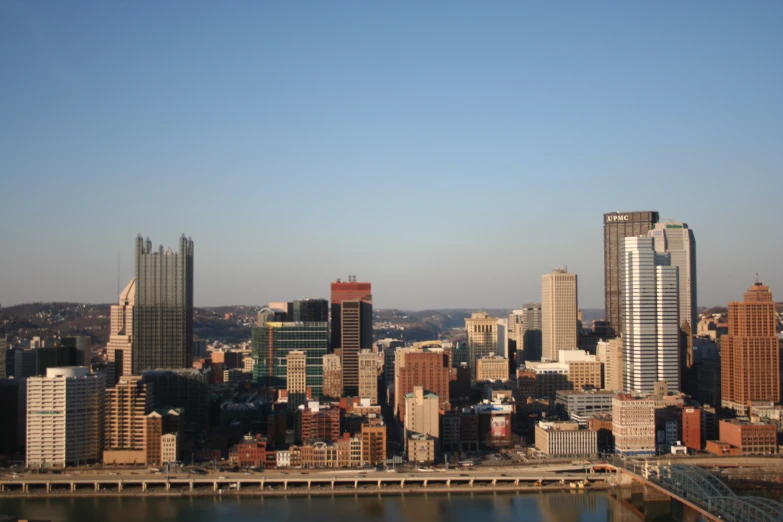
(499,427)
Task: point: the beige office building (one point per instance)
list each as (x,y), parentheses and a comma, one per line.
(633,425)
(611,354)
(296,378)
(127,406)
(168,447)
(333,376)
(421,449)
(422,413)
(118,349)
(566,439)
(482,335)
(559,313)
(370,365)
(492,368)
(64,412)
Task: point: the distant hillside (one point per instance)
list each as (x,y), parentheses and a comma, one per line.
(226,323)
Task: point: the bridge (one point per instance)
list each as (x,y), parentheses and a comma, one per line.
(315,483)
(704,491)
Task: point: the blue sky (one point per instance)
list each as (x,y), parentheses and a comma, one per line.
(449,152)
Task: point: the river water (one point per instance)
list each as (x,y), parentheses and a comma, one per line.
(528,507)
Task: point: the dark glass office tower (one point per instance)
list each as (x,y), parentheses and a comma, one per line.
(273,341)
(163,310)
(618,226)
(310,311)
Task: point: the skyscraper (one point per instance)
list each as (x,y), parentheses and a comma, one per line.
(351,327)
(650,311)
(528,333)
(296,378)
(162,326)
(64,415)
(127,405)
(559,313)
(750,364)
(420,367)
(482,334)
(617,226)
(677,240)
(333,376)
(370,364)
(272,343)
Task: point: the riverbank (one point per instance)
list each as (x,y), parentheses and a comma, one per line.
(319,492)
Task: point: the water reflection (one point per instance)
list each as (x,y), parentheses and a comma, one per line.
(578,506)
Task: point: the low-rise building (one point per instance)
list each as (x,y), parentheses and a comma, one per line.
(566,439)
(601,424)
(722,449)
(459,432)
(582,404)
(249,453)
(492,368)
(168,446)
(373,437)
(283,459)
(751,438)
(421,449)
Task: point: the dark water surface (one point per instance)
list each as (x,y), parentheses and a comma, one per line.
(528,507)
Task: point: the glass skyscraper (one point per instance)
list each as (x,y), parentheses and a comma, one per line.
(272,343)
(163,309)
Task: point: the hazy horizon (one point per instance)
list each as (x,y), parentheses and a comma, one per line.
(449,153)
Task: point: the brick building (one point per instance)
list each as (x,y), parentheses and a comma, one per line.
(429,369)
(249,453)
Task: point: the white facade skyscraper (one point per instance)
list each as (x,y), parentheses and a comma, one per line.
(64,416)
(559,313)
(650,316)
(677,239)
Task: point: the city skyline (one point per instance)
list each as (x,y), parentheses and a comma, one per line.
(446,140)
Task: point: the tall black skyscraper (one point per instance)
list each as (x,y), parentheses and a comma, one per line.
(163,309)
(618,226)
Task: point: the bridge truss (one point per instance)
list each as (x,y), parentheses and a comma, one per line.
(701,487)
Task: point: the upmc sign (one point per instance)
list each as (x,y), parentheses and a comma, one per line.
(617,217)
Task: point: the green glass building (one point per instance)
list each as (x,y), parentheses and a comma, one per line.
(274,340)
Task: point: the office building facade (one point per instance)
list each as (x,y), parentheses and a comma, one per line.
(428,369)
(633,425)
(370,365)
(618,226)
(296,378)
(559,313)
(120,346)
(126,408)
(750,353)
(650,311)
(271,344)
(163,307)
(188,389)
(310,311)
(482,335)
(64,416)
(492,368)
(677,240)
(333,376)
